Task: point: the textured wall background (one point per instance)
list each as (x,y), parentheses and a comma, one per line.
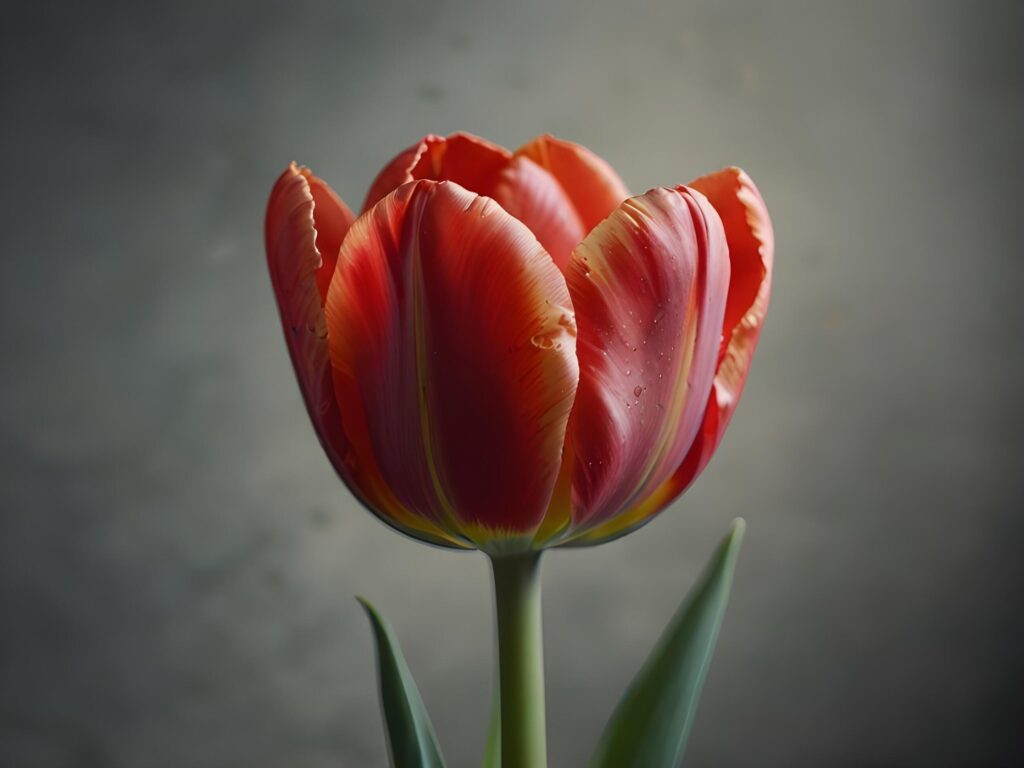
(176,558)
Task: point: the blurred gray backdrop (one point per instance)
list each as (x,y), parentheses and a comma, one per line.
(177,560)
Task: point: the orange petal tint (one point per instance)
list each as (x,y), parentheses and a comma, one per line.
(532,195)
(304,216)
(748,231)
(590,183)
(453,343)
(649,287)
(468,160)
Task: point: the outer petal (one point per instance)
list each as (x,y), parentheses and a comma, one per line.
(532,195)
(299,222)
(453,344)
(468,160)
(590,183)
(649,286)
(748,230)
(304,220)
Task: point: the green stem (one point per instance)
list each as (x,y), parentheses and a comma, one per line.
(520,660)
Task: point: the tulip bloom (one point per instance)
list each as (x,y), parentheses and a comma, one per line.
(506,351)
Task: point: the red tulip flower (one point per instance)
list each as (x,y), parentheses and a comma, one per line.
(505,350)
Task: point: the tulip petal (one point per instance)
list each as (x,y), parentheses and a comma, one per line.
(299,223)
(531,194)
(590,183)
(332,219)
(305,226)
(453,345)
(649,286)
(468,160)
(748,230)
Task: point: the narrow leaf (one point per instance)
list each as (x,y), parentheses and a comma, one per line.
(411,739)
(492,757)
(651,724)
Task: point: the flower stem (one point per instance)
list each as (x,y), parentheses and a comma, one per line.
(520,660)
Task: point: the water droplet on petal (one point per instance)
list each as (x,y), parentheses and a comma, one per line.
(638,390)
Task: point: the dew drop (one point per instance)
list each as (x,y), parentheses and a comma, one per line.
(638,390)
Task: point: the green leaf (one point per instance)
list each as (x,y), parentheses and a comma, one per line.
(411,739)
(492,757)
(652,721)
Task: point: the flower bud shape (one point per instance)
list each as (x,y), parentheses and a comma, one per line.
(506,351)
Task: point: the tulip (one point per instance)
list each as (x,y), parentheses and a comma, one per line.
(505,351)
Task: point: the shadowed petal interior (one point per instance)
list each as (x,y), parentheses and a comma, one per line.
(532,195)
(468,160)
(594,188)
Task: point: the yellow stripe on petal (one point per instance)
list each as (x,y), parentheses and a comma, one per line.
(649,286)
(748,232)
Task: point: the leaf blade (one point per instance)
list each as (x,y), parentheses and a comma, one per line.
(412,742)
(652,722)
(492,755)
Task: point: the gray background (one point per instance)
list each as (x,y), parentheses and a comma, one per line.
(177,561)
